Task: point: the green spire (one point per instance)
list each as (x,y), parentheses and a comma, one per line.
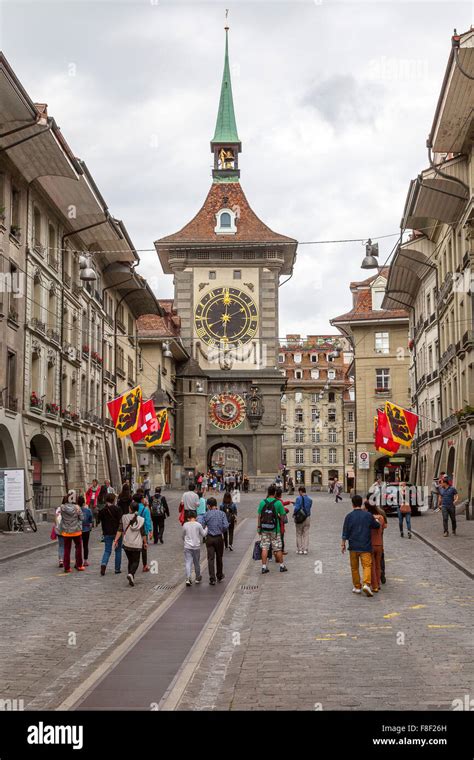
(226,128)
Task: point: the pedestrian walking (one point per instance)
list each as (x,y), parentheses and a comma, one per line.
(103,493)
(109,518)
(92,498)
(284,522)
(144,511)
(302,518)
(447,500)
(108,486)
(56,533)
(190,499)
(124,499)
(291,486)
(146,487)
(270,517)
(404,509)
(376,537)
(159,512)
(131,532)
(193,532)
(204,483)
(383,513)
(87,521)
(338,490)
(71,530)
(216,523)
(230,510)
(356,530)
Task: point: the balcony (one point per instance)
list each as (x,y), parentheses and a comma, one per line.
(445,291)
(52,409)
(36,403)
(67,279)
(449,422)
(38,325)
(54,335)
(448,356)
(53,261)
(12,315)
(98,296)
(468,338)
(38,248)
(15,233)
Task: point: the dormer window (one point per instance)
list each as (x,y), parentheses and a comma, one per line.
(225,222)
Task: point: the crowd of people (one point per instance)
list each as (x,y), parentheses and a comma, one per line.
(218,480)
(130,521)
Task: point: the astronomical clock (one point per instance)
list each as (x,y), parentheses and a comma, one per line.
(226,410)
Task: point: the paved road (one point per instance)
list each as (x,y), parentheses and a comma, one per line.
(297,640)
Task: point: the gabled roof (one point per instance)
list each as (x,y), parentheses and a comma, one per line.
(362,308)
(249,227)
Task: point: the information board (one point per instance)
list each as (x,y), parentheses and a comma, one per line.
(12,490)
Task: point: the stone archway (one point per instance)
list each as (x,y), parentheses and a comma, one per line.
(235,447)
(46,473)
(7,449)
(316,478)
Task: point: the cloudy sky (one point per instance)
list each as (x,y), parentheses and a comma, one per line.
(334,102)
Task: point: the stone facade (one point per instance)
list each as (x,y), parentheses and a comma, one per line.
(312,408)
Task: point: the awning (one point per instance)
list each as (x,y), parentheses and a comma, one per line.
(431,200)
(453,117)
(133,289)
(409,267)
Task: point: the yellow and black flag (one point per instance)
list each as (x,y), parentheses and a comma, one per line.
(162,433)
(125,411)
(402,423)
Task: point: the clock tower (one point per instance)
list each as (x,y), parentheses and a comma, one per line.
(227,265)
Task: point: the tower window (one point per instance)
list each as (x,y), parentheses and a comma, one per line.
(212,275)
(237,274)
(225,219)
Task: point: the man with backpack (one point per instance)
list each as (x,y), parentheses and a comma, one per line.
(302,518)
(270,517)
(159,512)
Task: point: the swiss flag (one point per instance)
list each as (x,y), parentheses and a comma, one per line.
(383,434)
(147,422)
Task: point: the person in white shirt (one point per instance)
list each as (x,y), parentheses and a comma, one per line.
(190,499)
(193,532)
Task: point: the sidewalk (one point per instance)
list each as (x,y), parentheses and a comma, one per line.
(459,549)
(17,544)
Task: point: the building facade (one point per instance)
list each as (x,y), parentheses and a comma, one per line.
(315,442)
(380,372)
(68,325)
(432,275)
(226,264)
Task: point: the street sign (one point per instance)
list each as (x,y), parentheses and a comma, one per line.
(12,490)
(363,460)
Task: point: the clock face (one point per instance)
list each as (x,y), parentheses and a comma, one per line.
(227,410)
(226,315)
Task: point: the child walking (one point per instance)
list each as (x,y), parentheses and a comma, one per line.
(193,532)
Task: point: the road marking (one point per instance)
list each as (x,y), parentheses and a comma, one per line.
(178,685)
(33,578)
(417,606)
(450,625)
(392,615)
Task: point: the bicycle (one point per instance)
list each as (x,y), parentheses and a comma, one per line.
(17,523)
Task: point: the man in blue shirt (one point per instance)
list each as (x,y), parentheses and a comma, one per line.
(304,503)
(447,500)
(216,523)
(356,530)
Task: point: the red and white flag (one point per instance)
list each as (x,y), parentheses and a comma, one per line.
(147,422)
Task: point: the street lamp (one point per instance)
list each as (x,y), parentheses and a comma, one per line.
(166,350)
(86,273)
(371,253)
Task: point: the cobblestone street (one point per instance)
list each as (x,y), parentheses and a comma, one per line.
(296,641)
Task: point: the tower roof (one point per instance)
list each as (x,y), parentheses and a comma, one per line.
(226,127)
